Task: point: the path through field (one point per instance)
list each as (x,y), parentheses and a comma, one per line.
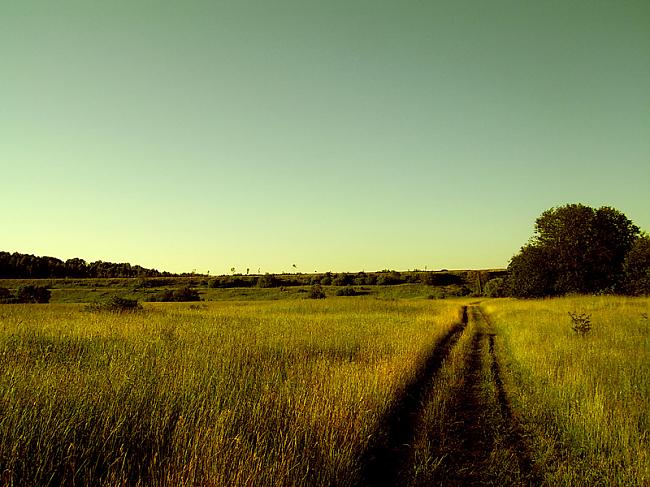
(481,442)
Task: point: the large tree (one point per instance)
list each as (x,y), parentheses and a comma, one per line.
(637,267)
(575,248)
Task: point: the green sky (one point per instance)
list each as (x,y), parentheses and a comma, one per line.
(331,135)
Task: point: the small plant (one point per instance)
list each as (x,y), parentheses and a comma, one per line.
(580,323)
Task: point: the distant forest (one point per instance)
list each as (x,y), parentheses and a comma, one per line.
(27,266)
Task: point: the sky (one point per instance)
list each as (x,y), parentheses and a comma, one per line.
(330,135)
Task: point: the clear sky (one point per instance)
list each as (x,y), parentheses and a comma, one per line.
(333,135)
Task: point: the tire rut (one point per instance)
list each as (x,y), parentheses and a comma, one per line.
(514,432)
(484,427)
(384,461)
(470,437)
(482,430)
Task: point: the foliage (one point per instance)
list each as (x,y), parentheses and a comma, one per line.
(6,296)
(495,288)
(33,294)
(268,281)
(387,278)
(637,267)
(530,275)
(116,304)
(347,291)
(575,249)
(232,281)
(580,323)
(343,280)
(316,292)
(26,266)
(183,294)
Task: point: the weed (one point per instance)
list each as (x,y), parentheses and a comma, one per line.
(580,323)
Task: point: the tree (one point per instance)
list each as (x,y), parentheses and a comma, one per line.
(575,248)
(530,276)
(636,267)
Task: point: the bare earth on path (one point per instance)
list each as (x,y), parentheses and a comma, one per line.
(481,443)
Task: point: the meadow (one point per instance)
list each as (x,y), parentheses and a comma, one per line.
(263,393)
(302,392)
(583,401)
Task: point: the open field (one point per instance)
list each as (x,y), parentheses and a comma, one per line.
(583,402)
(342,391)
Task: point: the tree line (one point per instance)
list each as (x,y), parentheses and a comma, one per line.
(26,266)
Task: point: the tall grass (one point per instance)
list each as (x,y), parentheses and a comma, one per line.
(256,393)
(584,400)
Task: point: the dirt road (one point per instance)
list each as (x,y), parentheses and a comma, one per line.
(480,443)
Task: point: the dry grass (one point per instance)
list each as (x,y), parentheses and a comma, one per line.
(584,400)
(263,393)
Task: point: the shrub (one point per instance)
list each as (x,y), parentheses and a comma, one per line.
(184,294)
(33,294)
(326,279)
(116,304)
(389,278)
(268,281)
(342,280)
(316,292)
(347,291)
(580,323)
(495,288)
(6,296)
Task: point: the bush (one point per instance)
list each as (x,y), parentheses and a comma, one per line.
(316,292)
(6,296)
(268,281)
(326,280)
(347,291)
(580,323)
(495,288)
(182,295)
(389,278)
(33,294)
(116,304)
(342,280)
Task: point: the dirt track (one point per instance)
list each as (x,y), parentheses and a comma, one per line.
(482,443)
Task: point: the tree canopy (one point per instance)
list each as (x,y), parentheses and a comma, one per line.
(26,266)
(575,249)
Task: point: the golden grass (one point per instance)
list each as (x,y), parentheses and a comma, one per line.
(257,393)
(583,401)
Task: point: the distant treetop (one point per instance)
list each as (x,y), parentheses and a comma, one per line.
(27,266)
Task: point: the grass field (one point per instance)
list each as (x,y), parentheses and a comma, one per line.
(341,391)
(269,393)
(584,400)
